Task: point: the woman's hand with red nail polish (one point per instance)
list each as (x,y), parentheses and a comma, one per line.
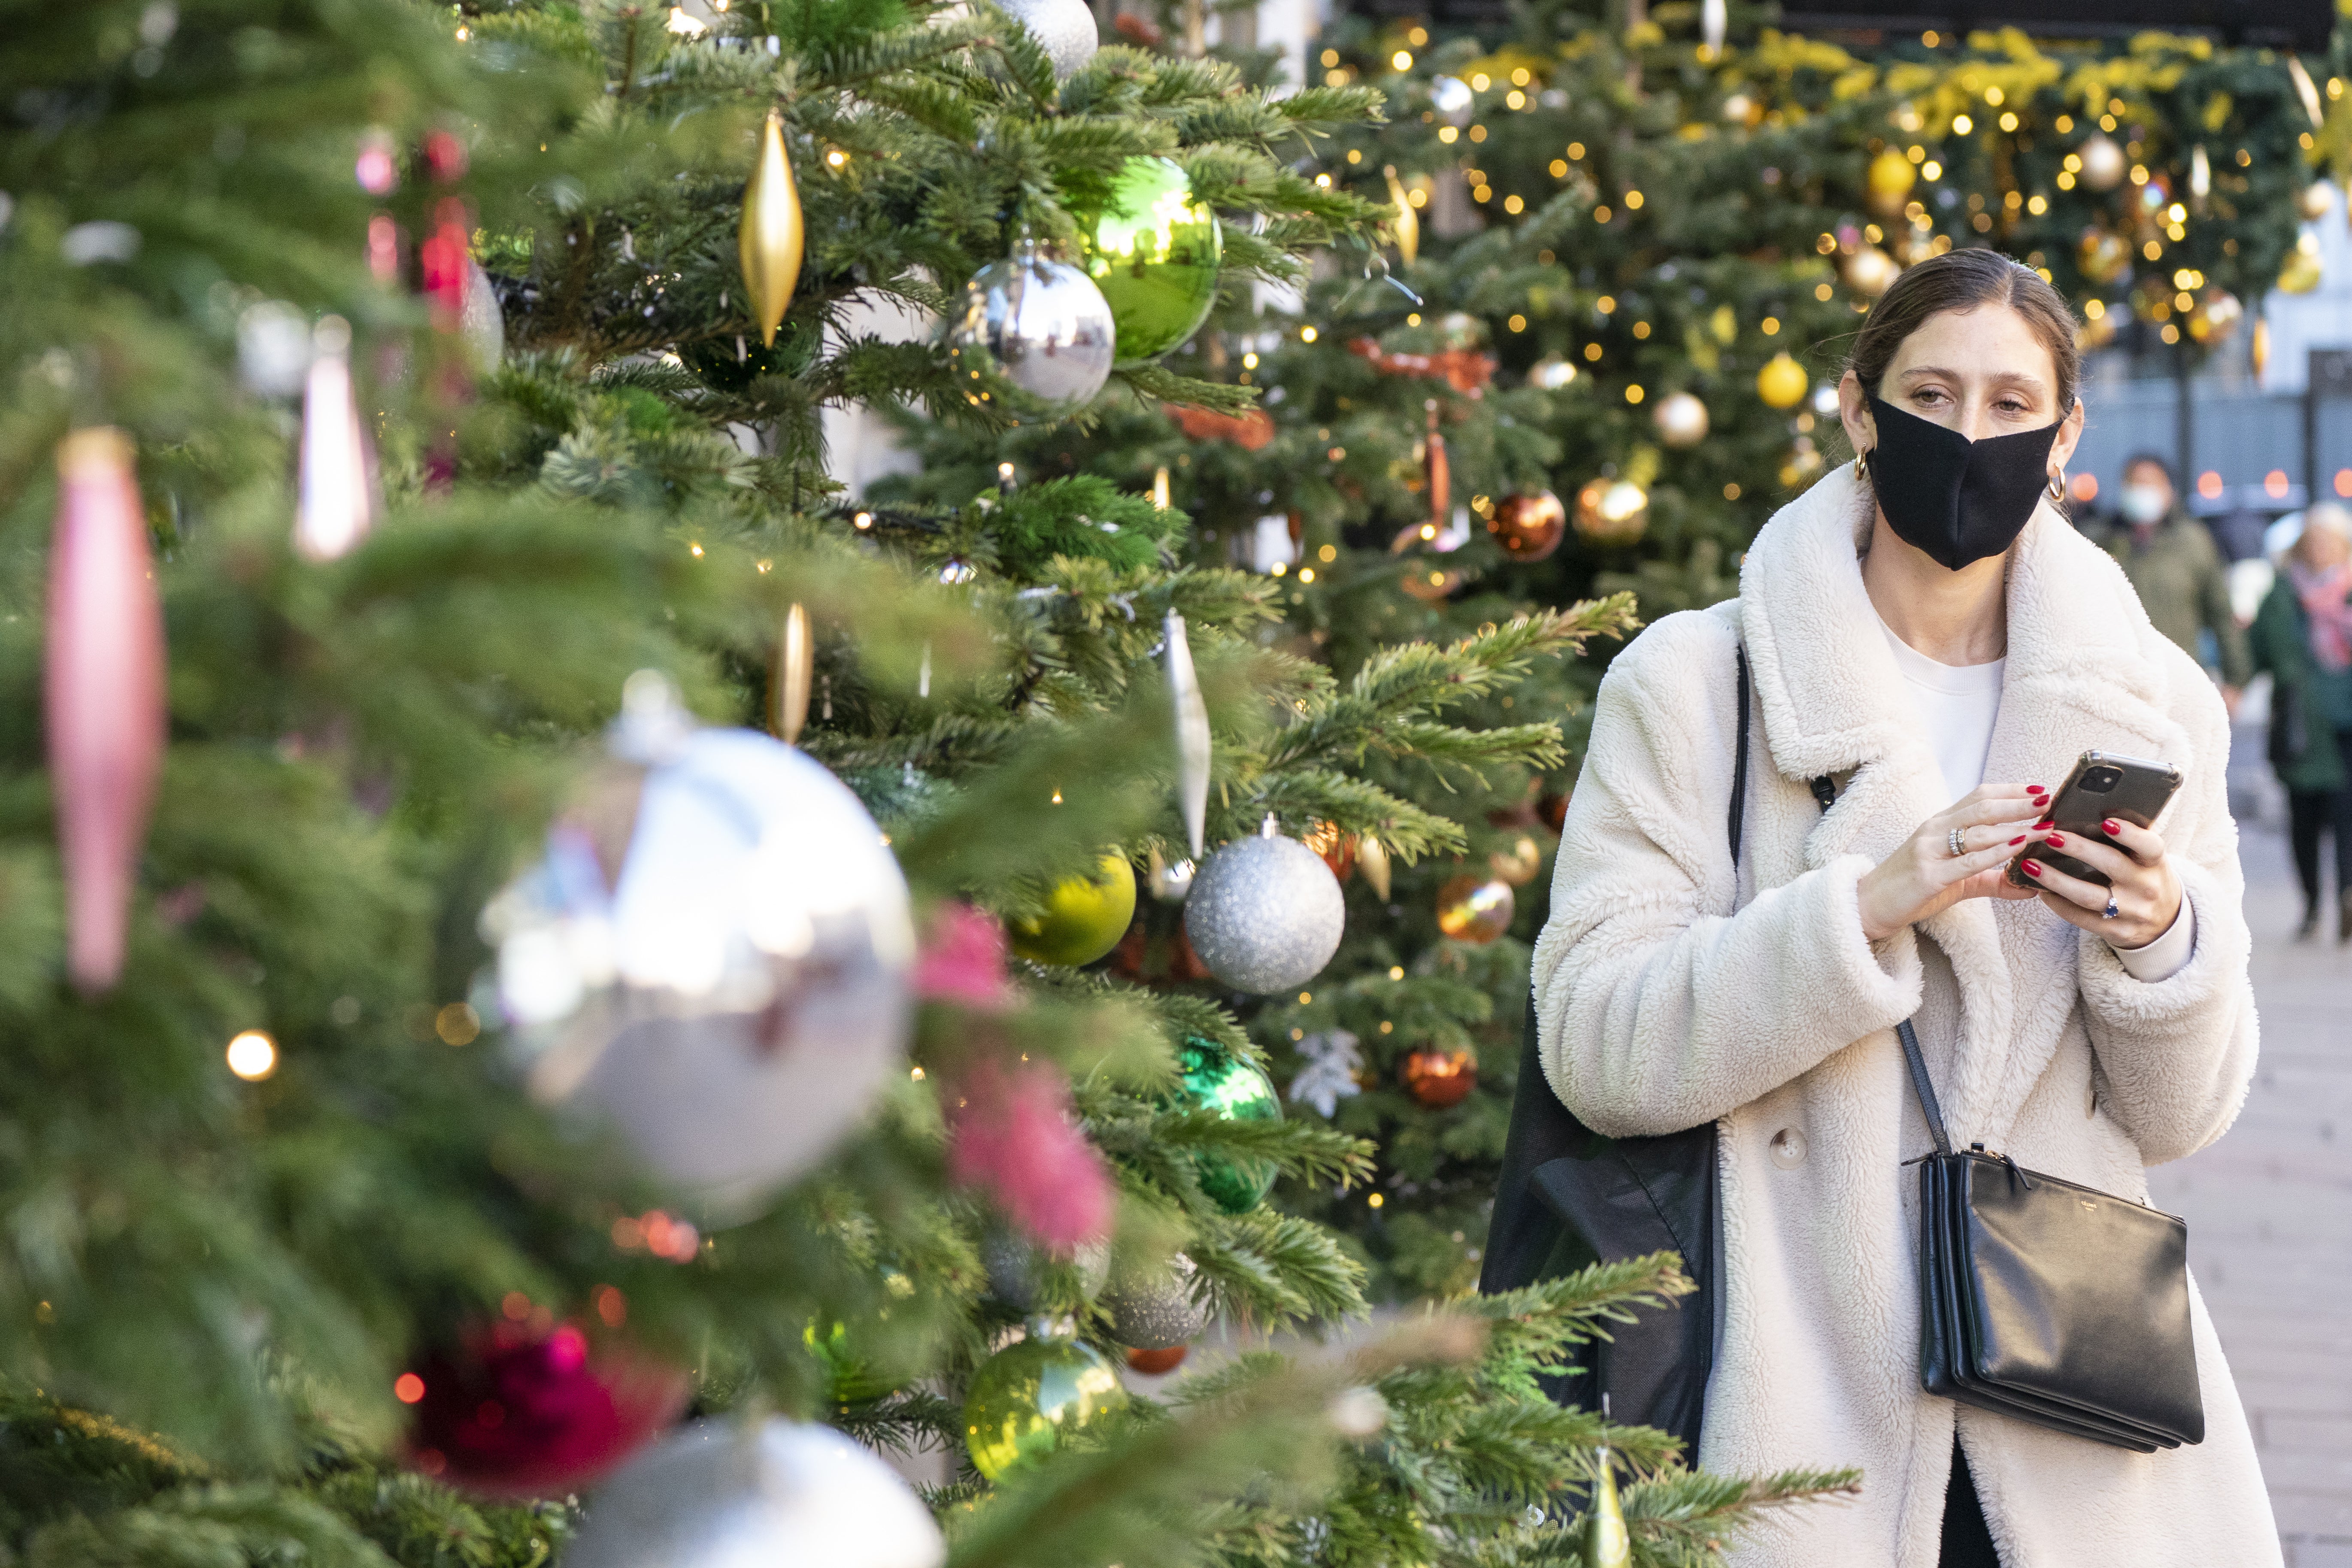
(2057,840)
(2033,867)
(2111,827)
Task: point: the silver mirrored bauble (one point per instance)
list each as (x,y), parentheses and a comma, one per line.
(718,1494)
(1451,97)
(1170,884)
(1065,29)
(713,957)
(1016,1267)
(1035,336)
(1266,913)
(1154,1309)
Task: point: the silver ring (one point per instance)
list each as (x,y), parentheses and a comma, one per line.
(1958,846)
(2110,912)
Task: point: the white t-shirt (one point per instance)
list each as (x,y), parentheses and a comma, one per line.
(1956,705)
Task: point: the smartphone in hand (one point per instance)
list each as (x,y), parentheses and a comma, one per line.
(2103,785)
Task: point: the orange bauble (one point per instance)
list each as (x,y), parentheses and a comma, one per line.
(1553,810)
(1529,527)
(1474,908)
(1338,849)
(1157,1364)
(1440,1079)
(1519,862)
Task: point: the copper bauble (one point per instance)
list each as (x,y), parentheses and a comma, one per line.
(1612,512)
(1681,419)
(1474,908)
(2103,256)
(1553,810)
(1440,1079)
(2215,317)
(1529,527)
(1338,849)
(1519,862)
(1156,1364)
(1428,583)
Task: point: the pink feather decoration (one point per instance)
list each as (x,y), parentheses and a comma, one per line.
(1014,1135)
(104,695)
(963,960)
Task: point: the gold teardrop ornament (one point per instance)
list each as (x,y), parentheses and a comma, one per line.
(770,243)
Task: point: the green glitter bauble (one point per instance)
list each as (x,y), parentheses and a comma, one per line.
(1152,250)
(1027,1396)
(849,1377)
(1215,1080)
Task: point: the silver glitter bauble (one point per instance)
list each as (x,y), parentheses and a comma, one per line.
(1154,1310)
(1451,99)
(2103,163)
(1035,336)
(713,956)
(1266,913)
(1065,29)
(721,1494)
(1016,1267)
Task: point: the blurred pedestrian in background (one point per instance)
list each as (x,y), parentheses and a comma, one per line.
(2302,637)
(2177,569)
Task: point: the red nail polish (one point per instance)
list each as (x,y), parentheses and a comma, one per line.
(2040,824)
(2018,840)
(2033,869)
(2035,789)
(2110,825)
(2056,839)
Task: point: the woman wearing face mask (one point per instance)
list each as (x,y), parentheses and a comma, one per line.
(2174,566)
(2302,635)
(1935,645)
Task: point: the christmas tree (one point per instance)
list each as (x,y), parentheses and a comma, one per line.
(395,390)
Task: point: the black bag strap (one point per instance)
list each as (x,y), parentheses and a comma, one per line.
(1825,792)
(1739,765)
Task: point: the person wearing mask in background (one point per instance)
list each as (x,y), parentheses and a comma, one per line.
(2176,569)
(2302,637)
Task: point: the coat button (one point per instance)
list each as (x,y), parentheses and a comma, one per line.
(1787,1148)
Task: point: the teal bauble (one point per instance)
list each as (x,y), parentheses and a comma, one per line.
(1152,250)
(1029,1395)
(1238,1090)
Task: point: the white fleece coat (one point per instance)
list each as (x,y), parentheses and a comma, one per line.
(1660,1008)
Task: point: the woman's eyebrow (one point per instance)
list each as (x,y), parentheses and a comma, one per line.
(2006,378)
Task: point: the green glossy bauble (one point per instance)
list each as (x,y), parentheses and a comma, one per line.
(850,1378)
(1215,1080)
(1026,1396)
(1152,250)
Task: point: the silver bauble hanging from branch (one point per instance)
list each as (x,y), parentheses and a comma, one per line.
(1153,1309)
(1035,336)
(1065,29)
(721,1494)
(1266,913)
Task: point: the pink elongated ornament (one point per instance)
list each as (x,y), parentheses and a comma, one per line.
(334,504)
(103,692)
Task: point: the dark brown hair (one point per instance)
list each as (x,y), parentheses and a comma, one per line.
(1963,281)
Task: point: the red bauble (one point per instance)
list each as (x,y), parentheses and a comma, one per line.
(1440,1079)
(1529,527)
(1157,1364)
(521,1412)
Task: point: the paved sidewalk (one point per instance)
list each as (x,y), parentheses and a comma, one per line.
(2270,1217)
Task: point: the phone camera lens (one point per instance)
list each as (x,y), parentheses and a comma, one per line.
(2100,781)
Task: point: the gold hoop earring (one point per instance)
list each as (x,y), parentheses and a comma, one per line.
(1861,465)
(2058,485)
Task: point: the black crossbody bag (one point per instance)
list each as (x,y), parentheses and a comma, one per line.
(2052,1302)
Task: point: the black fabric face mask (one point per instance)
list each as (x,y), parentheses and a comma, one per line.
(1959,500)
